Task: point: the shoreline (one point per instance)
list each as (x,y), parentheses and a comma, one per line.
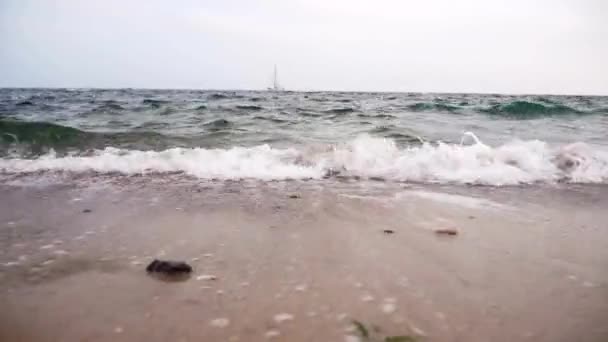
(527,263)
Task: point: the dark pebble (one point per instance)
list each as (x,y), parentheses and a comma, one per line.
(169,268)
(87,211)
(294,196)
(388,231)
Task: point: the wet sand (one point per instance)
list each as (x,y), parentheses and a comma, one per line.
(527,263)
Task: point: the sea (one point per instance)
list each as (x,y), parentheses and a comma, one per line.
(418,138)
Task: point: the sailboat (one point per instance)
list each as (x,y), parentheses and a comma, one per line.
(275,84)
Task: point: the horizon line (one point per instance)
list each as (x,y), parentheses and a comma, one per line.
(316,91)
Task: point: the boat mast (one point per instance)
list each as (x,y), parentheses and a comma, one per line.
(276,84)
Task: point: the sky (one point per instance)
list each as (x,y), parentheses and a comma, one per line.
(488,46)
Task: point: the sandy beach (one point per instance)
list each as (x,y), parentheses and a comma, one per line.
(526,264)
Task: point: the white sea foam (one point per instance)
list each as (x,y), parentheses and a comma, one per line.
(516,162)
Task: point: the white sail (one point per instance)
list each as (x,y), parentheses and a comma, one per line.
(275,84)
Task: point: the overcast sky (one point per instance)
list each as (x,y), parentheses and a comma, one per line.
(510,46)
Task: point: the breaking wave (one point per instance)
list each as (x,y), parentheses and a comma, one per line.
(470,162)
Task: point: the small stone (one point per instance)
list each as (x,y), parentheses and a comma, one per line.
(446,231)
(118,330)
(388,231)
(220,322)
(50,246)
(283,317)
(294,196)
(169,267)
(301,288)
(86,211)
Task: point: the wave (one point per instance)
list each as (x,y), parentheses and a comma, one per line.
(218,124)
(154,103)
(217,96)
(520,109)
(271,119)
(32,139)
(431,106)
(526,109)
(249,107)
(377,116)
(38,133)
(344,110)
(516,162)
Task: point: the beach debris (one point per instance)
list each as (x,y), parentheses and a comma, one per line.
(365,335)
(388,231)
(361,329)
(399,339)
(446,231)
(86,211)
(283,317)
(206,277)
(220,322)
(170,268)
(294,196)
